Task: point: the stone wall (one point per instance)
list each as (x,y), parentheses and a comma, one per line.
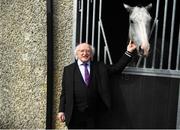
(63,53)
(23,60)
(23,57)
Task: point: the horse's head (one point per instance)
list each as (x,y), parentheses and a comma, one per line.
(139,25)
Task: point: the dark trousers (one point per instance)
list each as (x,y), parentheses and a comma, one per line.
(82,120)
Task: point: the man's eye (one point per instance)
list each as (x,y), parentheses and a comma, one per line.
(87,51)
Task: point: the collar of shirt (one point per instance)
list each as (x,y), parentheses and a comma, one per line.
(80,63)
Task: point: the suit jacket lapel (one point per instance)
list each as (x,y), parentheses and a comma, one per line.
(70,81)
(91,70)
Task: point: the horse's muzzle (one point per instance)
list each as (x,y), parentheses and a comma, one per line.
(141,51)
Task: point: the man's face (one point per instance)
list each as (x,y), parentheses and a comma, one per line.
(84,52)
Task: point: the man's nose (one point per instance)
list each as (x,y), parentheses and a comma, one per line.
(84,53)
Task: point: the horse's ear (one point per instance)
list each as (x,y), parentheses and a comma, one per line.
(149,6)
(128,8)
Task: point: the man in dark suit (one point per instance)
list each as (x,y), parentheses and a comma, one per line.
(85,89)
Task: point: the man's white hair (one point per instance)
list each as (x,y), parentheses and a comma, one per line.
(92,49)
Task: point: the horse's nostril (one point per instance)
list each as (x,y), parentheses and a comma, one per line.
(141,51)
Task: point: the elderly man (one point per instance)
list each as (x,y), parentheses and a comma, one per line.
(85,87)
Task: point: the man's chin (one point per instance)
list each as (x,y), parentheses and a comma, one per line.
(85,60)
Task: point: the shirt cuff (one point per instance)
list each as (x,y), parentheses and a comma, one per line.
(129,54)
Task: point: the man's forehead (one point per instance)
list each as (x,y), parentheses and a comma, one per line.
(84,46)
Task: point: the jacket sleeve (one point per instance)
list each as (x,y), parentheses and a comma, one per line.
(120,65)
(62,97)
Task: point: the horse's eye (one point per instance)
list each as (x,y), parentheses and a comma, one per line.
(131,21)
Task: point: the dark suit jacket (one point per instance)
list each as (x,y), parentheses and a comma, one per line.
(102,72)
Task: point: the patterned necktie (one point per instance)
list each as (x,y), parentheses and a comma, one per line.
(86,73)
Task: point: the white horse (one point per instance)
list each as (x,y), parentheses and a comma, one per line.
(139,25)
